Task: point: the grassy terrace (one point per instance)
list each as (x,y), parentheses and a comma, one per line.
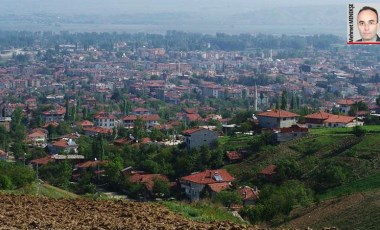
(41,189)
(343,130)
(202,211)
(363,185)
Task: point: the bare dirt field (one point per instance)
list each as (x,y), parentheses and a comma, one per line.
(27,212)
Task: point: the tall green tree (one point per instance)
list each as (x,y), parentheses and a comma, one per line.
(284,100)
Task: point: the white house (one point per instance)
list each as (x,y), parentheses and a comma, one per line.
(277,119)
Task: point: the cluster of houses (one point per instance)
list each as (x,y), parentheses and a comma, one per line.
(93,83)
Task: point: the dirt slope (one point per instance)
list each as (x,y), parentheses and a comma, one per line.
(25,212)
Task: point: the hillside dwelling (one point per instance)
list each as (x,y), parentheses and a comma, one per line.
(250,195)
(94,131)
(105,120)
(6,122)
(268,172)
(342,121)
(37,137)
(148,181)
(56,115)
(213,180)
(344,105)
(63,145)
(74,159)
(316,120)
(234,156)
(3,155)
(94,167)
(322,119)
(85,124)
(289,133)
(196,137)
(149,120)
(277,119)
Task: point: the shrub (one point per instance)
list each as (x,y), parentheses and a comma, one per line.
(5,182)
(358,131)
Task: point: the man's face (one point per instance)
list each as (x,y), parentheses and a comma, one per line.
(368,25)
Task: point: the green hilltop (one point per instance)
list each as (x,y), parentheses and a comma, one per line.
(328,167)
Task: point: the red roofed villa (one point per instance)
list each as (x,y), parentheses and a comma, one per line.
(215,180)
(277,119)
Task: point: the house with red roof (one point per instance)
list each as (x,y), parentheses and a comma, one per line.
(316,119)
(196,137)
(148,181)
(141,111)
(234,156)
(277,118)
(94,131)
(95,167)
(150,120)
(268,172)
(85,124)
(3,155)
(249,195)
(345,105)
(290,133)
(323,119)
(105,120)
(56,115)
(215,180)
(37,137)
(63,145)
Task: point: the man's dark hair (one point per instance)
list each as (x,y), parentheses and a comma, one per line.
(370,8)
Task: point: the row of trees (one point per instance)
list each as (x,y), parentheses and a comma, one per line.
(172,40)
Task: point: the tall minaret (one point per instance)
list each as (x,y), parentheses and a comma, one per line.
(255,98)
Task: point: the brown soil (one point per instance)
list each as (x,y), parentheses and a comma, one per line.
(26,212)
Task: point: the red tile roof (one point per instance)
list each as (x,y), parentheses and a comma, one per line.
(98,130)
(85,123)
(217,187)
(269,170)
(193,117)
(191,131)
(339,119)
(209,177)
(278,113)
(147,179)
(345,102)
(2,153)
(37,133)
(52,123)
(249,193)
(138,110)
(42,161)
(91,164)
(234,155)
(58,111)
(190,110)
(320,115)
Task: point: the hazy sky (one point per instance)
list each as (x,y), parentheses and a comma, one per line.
(206,16)
(149,6)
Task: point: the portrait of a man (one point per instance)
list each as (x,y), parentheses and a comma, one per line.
(368,24)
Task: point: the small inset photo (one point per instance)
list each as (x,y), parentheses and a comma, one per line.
(363,23)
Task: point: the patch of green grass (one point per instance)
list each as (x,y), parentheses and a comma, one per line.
(201,211)
(313,145)
(343,130)
(363,185)
(38,189)
(238,142)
